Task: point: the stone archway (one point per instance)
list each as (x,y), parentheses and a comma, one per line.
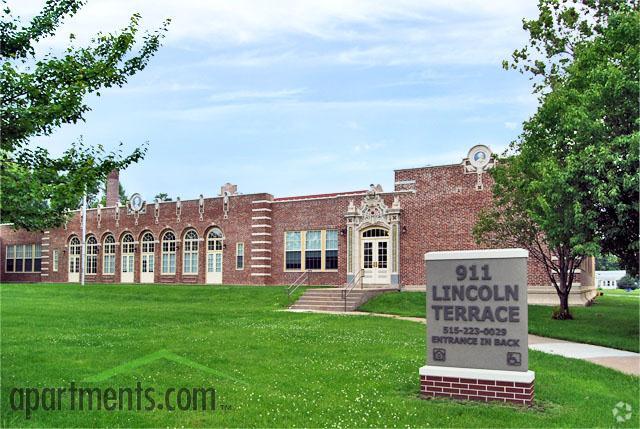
(373,214)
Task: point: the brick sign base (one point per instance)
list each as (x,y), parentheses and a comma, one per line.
(477,384)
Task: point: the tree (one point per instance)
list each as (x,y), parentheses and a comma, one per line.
(41,94)
(567,187)
(162,196)
(607,263)
(584,56)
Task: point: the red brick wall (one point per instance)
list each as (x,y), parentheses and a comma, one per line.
(441,215)
(438,213)
(477,390)
(8,236)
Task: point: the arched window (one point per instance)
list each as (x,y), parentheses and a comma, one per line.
(168,253)
(214,239)
(128,247)
(147,243)
(92,255)
(74,255)
(109,255)
(190,255)
(375,232)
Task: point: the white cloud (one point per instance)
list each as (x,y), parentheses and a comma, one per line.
(247,96)
(432,31)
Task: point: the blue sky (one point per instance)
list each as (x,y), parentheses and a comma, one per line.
(302,97)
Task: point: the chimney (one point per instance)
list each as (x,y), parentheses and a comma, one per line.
(113,188)
(228,189)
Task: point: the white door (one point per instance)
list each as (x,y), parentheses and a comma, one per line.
(214,267)
(126,274)
(147,267)
(126,265)
(375,262)
(215,244)
(74,260)
(147,259)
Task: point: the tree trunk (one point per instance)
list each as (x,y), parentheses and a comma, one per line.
(563,313)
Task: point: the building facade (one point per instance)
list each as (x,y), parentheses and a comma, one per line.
(257,239)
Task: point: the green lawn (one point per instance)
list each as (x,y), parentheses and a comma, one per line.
(270,368)
(612,322)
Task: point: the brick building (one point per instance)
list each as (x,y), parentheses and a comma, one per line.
(257,239)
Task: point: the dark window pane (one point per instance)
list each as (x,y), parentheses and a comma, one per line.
(293,261)
(240,262)
(313,260)
(38,264)
(10,265)
(28,265)
(18,265)
(331,260)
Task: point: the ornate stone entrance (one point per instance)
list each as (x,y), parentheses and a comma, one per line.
(373,240)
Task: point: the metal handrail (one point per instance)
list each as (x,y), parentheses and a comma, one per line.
(351,285)
(302,278)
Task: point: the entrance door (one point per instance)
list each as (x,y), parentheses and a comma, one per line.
(74,260)
(147,259)
(375,257)
(127,267)
(214,256)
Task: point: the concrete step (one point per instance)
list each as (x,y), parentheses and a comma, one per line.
(326,302)
(320,307)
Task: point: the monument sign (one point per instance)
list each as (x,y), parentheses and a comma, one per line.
(477,317)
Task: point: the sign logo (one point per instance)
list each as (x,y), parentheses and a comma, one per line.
(136,202)
(622,412)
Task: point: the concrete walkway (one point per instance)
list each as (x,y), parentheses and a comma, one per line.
(620,360)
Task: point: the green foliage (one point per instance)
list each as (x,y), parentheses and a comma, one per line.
(570,187)
(162,196)
(41,94)
(607,263)
(561,27)
(628,282)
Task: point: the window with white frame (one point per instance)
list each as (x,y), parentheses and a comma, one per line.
(23,258)
(239,256)
(92,255)
(128,249)
(313,250)
(190,253)
(169,253)
(109,255)
(331,249)
(55,260)
(215,239)
(293,250)
(74,255)
(148,247)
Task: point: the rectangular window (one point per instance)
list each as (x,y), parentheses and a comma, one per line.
(37,258)
(11,255)
(313,250)
(23,258)
(19,258)
(331,249)
(293,250)
(55,256)
(240,256)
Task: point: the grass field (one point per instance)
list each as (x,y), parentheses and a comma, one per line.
(270,368)
(612,322)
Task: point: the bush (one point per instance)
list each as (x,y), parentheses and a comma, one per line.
(628,282)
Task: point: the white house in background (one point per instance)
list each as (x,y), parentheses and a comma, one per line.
(609,279)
